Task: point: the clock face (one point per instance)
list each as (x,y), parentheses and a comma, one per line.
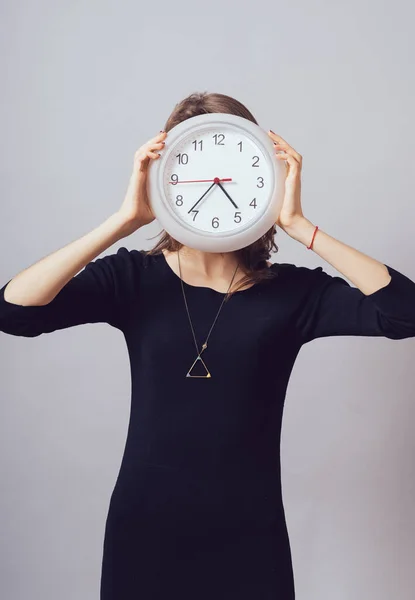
(218,179)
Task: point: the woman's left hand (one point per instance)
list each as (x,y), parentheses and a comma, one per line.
(291,212)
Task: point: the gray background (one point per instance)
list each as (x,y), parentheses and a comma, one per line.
(84,85)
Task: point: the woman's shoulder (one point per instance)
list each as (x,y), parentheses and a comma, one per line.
(296,271)
(301,277)
(124,258)
(124,267)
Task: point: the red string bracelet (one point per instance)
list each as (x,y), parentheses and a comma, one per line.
(314,235)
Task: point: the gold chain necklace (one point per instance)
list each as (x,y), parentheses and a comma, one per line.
(199,359)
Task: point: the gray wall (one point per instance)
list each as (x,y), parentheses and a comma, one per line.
(85,84)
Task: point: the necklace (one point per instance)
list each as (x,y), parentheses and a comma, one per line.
(199,360)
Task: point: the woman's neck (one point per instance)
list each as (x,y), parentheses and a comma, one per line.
(209,265)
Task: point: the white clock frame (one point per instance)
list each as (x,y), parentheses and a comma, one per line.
(216,241)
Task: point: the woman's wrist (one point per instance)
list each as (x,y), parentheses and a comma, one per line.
(123,226)
(301,231)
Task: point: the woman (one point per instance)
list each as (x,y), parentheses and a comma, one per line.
(197,511)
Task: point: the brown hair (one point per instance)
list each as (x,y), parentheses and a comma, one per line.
(252,258)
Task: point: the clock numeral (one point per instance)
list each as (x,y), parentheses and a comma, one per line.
(240,146)
(174,179)
(255,163)
(200,143)
(183,159)
(179,200)
(195,215)
(237,218)
(253,203)
(219,139)
(215,222)
(261,180)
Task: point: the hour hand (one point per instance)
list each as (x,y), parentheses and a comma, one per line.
(226,193)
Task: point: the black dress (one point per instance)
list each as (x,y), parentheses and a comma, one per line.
(197,512)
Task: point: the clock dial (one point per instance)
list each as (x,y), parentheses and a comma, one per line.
(217,179)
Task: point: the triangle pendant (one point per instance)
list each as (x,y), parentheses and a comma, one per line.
(198,369)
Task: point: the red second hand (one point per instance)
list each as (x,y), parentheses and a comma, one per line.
(200,180)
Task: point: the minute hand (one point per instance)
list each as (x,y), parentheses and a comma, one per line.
(225,192)
(201,197)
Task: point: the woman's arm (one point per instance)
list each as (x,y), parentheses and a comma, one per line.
(381,304)
(49,295)
(39,283)
(366,273)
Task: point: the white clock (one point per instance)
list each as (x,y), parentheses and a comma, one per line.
(218,185)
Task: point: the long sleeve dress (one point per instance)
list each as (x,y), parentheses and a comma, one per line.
(196,512)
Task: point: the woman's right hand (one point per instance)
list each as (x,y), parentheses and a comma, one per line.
(135,209)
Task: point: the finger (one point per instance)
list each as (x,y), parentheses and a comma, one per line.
(279,140)
(153,154)
(290,160)
(158,146)
(289,150)
(157,138)
(276,137)
(285,156)
(281,145)
(282,154)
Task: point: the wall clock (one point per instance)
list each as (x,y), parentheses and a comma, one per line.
(218,186)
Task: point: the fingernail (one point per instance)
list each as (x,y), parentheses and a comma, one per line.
(162,131)
(272,131)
